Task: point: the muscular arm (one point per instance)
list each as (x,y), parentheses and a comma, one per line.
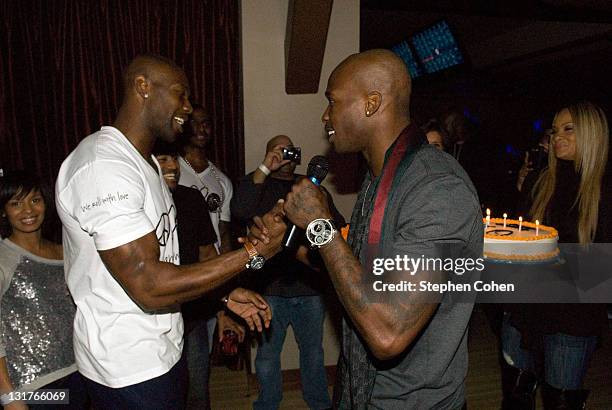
(387,328)
(390,322)
(207,252)
(156,285)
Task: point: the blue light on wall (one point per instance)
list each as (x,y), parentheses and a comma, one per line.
(538,126)
(404,52)
(437,48)
(512,151)
(470,117)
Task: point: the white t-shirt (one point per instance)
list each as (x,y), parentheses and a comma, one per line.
(108,195)
(211,180)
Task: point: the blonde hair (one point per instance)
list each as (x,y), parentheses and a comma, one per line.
(592,145)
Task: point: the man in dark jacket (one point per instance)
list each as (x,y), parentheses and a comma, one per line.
(291,285)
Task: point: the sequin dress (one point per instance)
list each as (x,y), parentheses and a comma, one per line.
(37,316)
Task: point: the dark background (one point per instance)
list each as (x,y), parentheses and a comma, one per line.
(61,62)
(525,61)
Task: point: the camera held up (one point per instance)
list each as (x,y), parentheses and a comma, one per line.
(293,154)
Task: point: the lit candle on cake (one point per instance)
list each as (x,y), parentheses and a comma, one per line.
(537,227)
(488,217)
(505,216)
(520,223)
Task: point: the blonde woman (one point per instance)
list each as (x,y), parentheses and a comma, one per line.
(574,194)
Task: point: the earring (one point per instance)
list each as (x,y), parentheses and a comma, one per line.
(146,95)
(368,113)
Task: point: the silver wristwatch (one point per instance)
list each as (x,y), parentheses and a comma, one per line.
(320,232)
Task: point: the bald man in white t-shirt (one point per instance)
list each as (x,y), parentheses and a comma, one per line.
(121,249)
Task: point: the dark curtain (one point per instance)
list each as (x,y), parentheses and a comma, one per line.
(61,65)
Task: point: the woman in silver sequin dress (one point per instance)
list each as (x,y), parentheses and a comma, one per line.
(36,309)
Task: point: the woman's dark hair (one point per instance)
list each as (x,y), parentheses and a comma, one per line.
(434,125)
(20,184)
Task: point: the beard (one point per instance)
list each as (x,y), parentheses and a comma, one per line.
(168,132)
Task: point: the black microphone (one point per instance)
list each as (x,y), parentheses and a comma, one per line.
(316,172)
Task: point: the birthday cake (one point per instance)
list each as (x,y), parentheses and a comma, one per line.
(518,241)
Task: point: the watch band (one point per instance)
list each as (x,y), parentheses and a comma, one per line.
(251,249)
(256,261)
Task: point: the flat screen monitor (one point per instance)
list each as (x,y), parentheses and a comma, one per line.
(405,53)
(437,48)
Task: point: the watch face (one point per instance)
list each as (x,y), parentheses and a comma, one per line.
(320,232)
(257,262)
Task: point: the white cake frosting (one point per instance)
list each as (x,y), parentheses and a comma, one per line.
(508,243)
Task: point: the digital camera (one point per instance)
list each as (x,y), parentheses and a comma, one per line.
(293,154)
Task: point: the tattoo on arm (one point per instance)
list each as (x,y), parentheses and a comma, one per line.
(377,316)
(346,274)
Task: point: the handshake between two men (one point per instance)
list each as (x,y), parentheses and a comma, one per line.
(160,286)
(307,207)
